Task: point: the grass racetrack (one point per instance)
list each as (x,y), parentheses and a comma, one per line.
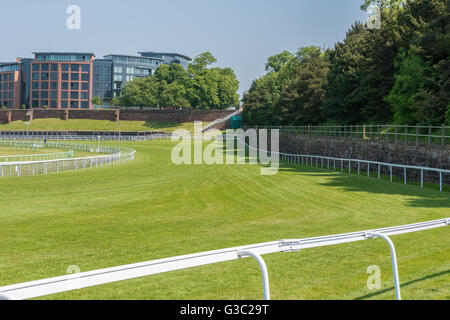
(150,208)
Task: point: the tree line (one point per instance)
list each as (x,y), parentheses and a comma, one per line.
(396,74)
(201,86)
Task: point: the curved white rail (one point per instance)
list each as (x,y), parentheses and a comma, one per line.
(65,283)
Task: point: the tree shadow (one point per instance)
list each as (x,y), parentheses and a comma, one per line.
(161,125)
(406,284)
(428,197)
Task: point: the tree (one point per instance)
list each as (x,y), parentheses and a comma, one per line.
(97,101)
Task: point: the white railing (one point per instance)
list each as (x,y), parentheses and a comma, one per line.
(114,155)
(71,282)
(37,157)
(352,164)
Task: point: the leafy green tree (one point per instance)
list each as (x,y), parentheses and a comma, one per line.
(96,101)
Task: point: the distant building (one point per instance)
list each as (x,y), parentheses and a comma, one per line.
(67,80)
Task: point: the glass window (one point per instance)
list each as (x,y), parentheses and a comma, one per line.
(74,86)
(35,76)
(44,85)
(44,94)
(75,76)
(35,104)
(74,95)
(65,67)
(75,67)
(74,104)
(85,77)
(54,67)
(35,66)
(118,69)
(35,95)
(130,70)
(35,85)
(44,76)
(64,86)
(85,86)
(64,104)
(85,95)
(54,85)
(65,76)
(85,68)
(53,94)
(53,104)
(85,104)
(54,76)
(64,95)
(117,77)
(44,67)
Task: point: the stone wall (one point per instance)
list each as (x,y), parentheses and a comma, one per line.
(422,155)
(113,115)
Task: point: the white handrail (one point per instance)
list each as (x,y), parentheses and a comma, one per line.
(65,283)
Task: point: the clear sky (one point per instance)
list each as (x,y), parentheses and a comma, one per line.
(241,34)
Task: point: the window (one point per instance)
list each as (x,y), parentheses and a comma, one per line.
(44,85)
(74,95)
(36,67)
(117,77)
(75,77)
(74,104)
(53,94)
(44,94)
(85,68)
(64,95)
(54,76)
(35,94)
(44,76)
(35,85)
(35,104)
(44,67)
(74,86)
(117,69)
(85,104)
(85,86)
(85,95)
(64,104)
(64,86)
(35,76)
(65,67)
(53,104)
(54,67)
(85,77)
(65,76)
(54,85)
(75,67)
(130,70)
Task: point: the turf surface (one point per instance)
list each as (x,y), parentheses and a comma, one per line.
(150,208)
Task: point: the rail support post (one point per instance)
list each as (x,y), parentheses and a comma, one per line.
(263,267)
(393,259)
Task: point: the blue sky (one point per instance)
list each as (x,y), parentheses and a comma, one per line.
(242,34)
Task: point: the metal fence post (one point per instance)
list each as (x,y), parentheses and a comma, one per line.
(264,272)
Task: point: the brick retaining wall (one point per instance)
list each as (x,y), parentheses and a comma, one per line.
(382,151)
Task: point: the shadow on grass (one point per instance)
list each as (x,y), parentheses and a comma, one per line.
(431,276)
(161,125)
(429,197)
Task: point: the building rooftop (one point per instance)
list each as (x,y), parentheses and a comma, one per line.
(172,54)
(128,56)
(66,53)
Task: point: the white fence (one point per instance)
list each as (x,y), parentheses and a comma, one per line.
(358,165)
(71,282)
(113,155)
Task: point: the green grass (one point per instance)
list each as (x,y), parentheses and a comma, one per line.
(150,208)
(96,125)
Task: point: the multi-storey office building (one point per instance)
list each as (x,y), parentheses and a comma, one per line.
(68,80)
(61,80)
(169,58)
(10,85)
